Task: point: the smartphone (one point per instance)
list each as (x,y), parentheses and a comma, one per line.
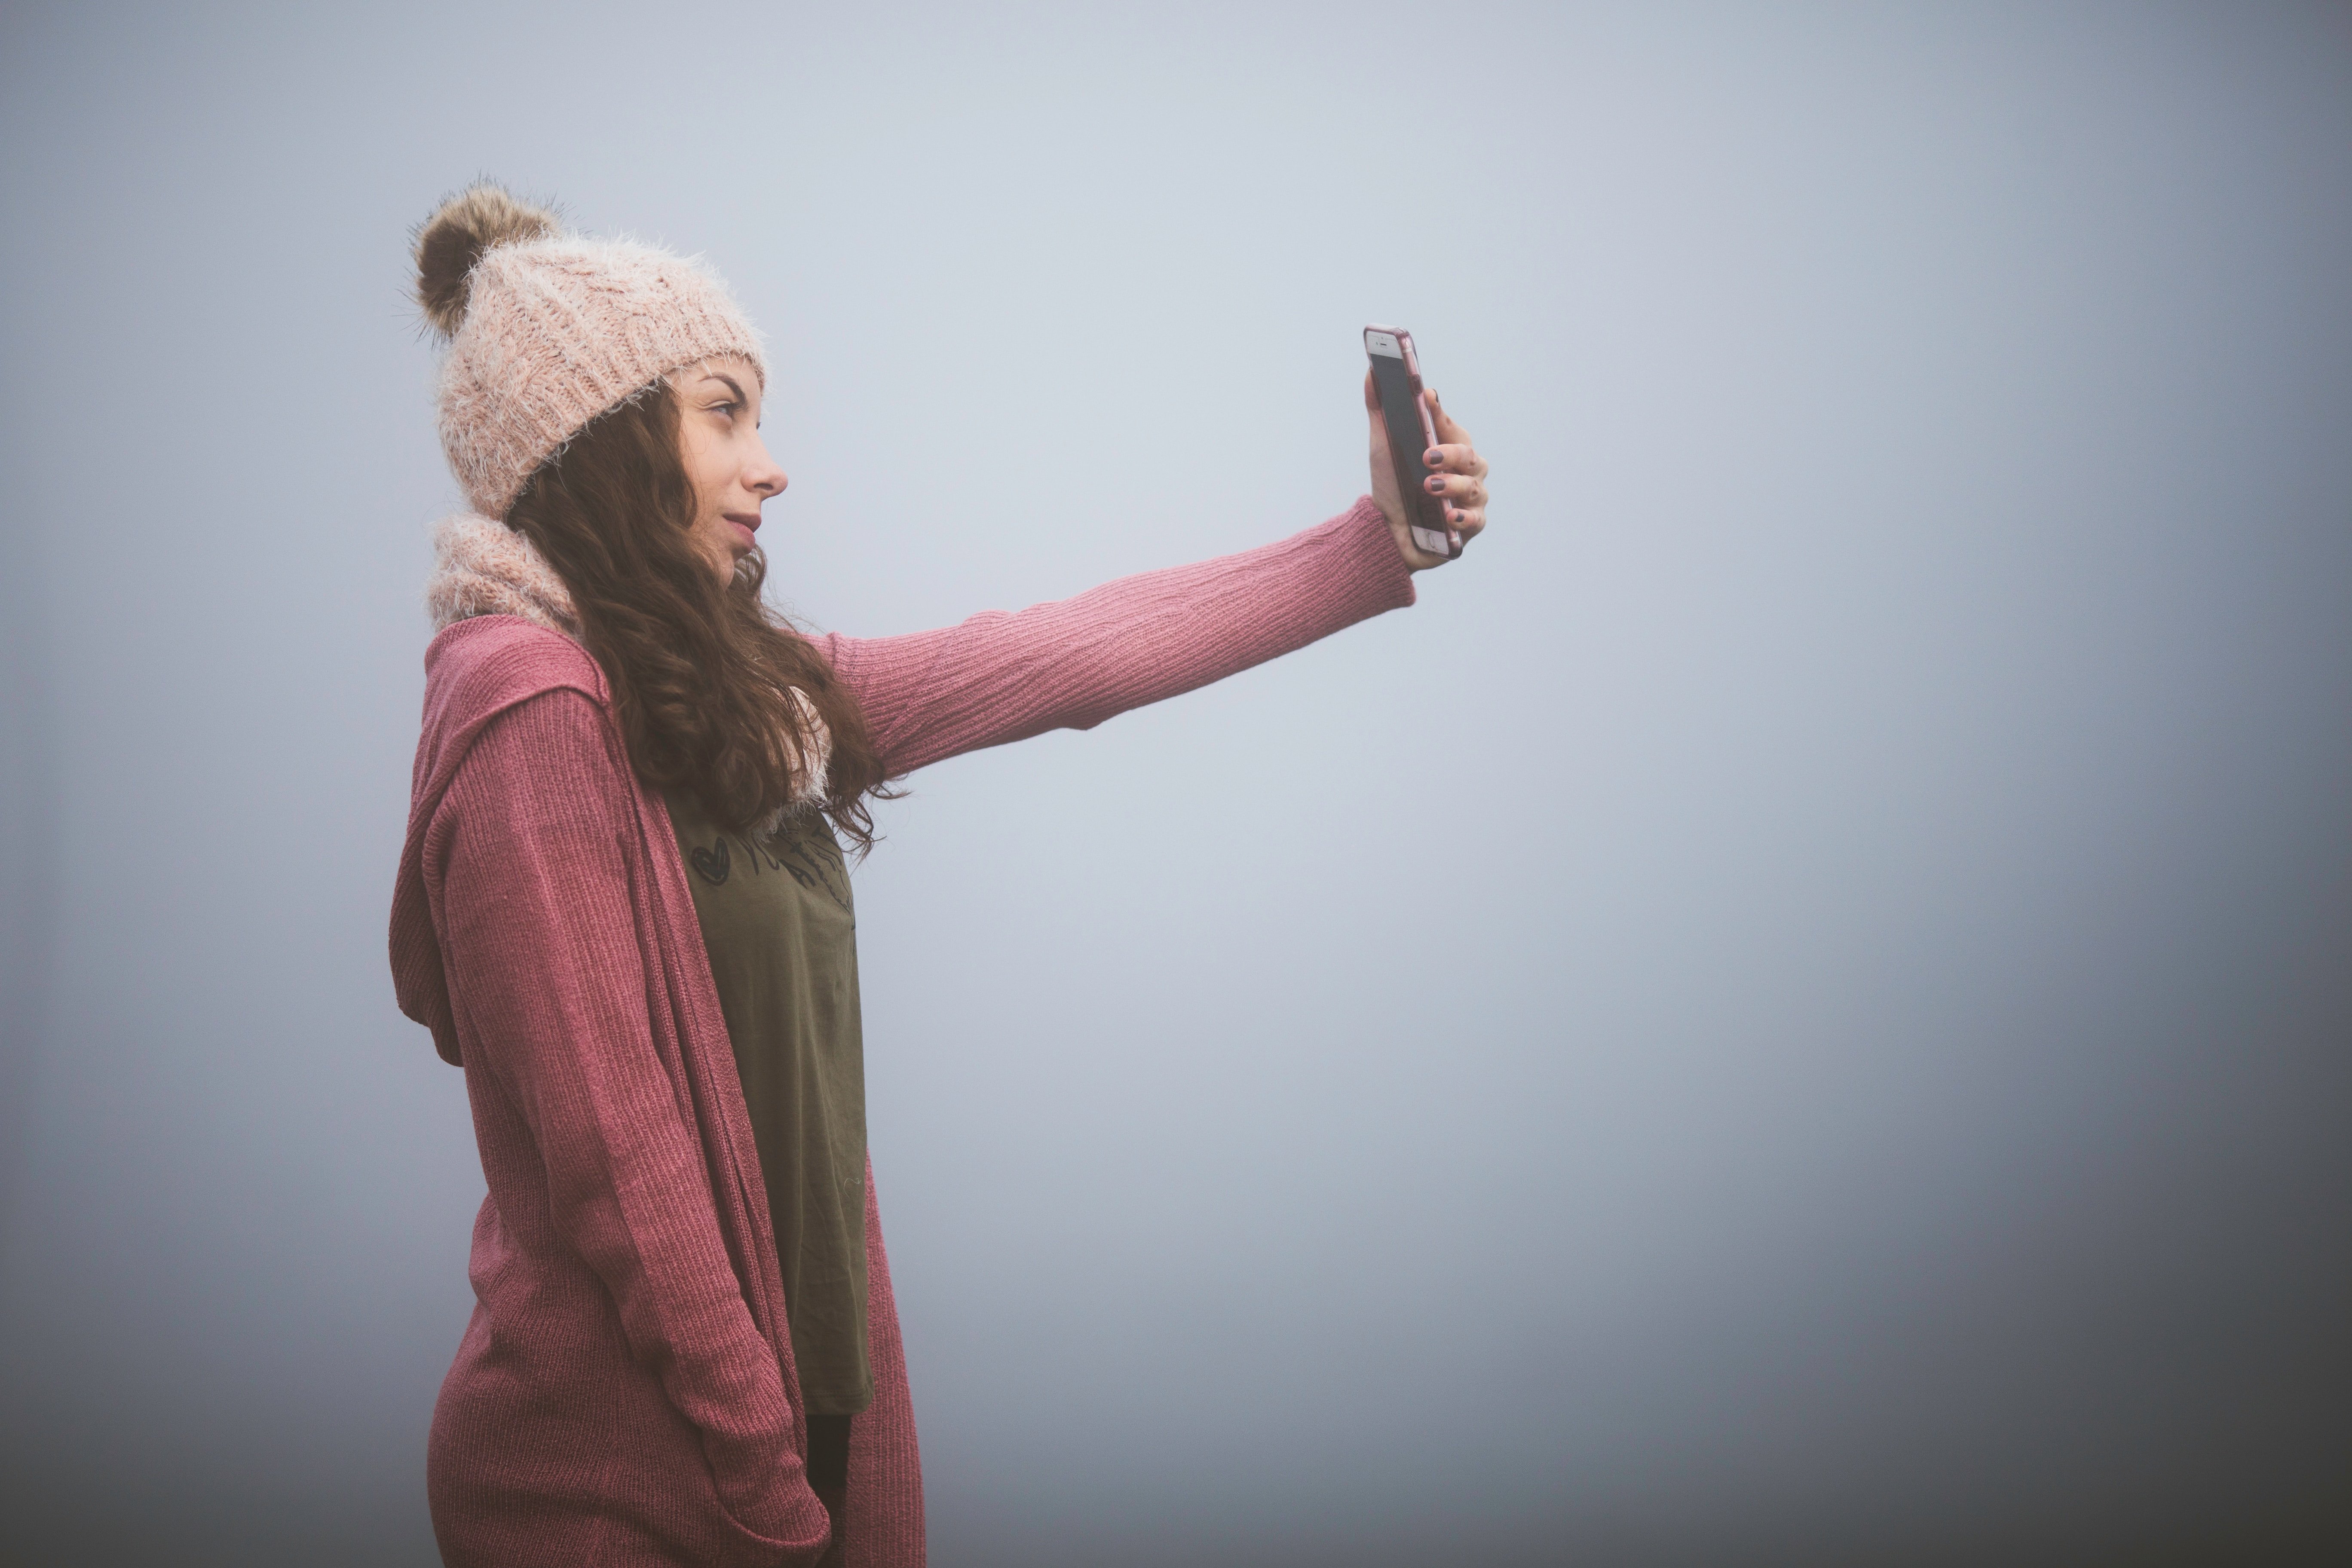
(1396,376)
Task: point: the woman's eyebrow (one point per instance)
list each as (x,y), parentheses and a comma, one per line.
(733,384)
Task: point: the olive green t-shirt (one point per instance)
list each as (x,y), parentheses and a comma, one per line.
(781,934)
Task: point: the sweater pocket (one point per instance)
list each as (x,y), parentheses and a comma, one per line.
(554,1448)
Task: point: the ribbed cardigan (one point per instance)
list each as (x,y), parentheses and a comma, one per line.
(624,1392)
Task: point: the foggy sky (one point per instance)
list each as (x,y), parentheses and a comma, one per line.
(1794,1009)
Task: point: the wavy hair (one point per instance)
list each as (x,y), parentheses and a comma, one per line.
(702,673)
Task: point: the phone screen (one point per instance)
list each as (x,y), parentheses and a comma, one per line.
(1400,411)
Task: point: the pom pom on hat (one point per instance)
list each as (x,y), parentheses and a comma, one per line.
(452,241)
(548,329)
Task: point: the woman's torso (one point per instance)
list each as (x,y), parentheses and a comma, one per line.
(780,929)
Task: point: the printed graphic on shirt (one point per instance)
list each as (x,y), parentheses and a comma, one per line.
(713,862)
(802,849)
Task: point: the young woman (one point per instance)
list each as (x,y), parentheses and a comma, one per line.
(623,906)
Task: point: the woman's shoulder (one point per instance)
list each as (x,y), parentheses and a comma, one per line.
(484,664)
(487,668)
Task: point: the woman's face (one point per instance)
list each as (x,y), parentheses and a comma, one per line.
(719,435)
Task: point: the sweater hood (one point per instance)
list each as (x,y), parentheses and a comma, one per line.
(476,670)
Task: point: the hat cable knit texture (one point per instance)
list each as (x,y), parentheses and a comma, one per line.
(482,567)
(556,329)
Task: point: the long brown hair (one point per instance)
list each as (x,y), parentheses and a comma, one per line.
(702,674)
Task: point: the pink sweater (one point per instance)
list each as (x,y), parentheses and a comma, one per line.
(624,1393)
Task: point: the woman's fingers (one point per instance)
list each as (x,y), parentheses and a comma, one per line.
(1457,490)
(1464,461)
(1449,429)
(1456,479)
(1453,454)
(1458,473)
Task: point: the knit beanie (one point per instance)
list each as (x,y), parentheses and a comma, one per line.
(548,329)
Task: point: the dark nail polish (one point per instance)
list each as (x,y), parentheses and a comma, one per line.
(1435,481)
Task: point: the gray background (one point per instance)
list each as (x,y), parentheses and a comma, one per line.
(1795,1010)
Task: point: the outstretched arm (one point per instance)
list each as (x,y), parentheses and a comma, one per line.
(1074,663)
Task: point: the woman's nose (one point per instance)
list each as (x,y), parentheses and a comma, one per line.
(764,478)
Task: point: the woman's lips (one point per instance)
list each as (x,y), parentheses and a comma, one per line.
(745,525)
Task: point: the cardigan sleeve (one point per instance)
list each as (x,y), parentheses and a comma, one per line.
(1074,663)
(550,992)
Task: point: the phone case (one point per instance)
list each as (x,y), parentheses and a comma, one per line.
(1427,512)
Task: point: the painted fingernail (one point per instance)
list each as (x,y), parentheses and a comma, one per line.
(1435,482)
(1433,456)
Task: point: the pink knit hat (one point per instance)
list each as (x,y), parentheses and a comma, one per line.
(547,330)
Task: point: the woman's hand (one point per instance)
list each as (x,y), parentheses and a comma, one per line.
(1461,480)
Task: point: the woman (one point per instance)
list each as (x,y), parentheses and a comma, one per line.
(623,906)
